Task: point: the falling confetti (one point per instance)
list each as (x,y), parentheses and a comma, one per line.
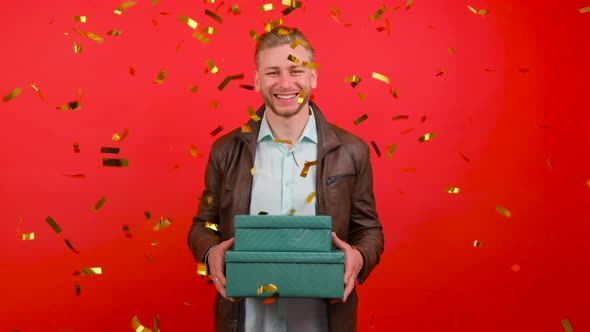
(212,226)
(110,162)
(476,244)
(452,190)
(306,167)
(377,14)
(216,131)
(69,244)
(464,157)
(148,215)
(310,198)
(202,269)
(163,223)
(213,16)
(360,119)
(114,33)
(127,231)
(400,117)
(480,12)
(380,77)
(567,326)
(229,78)
(266,7)
(426,137)
(253,114)
(202,38)
(107,149)
(118,138)
(37,90)
(390,151)
(212,67)
(585,10)
(376,148)
(26,236)
(123,6)
(161,76)
(503,211)
(53,224)
(91,270)
(189,21)
(11,95)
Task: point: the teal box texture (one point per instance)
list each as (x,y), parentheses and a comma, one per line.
(295,274)
(282,233)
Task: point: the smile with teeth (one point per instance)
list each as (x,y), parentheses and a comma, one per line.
(286,96)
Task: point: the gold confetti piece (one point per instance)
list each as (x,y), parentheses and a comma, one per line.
(98,204)
(407,169)
(253,114)
(202,38)
(252,170)
(163,223)
(480,12)
(292,58)
(254,35)
(266,7)
(91,270)
(408,4)
(390,151)
(148,215)
(131,71)
(376,148)
(114,32)
(69,244)
(299,41)
(567,326)
(440,73)
(212,226)
(503,211)
(451,50)
(301,97)
(76,176)
(362,96)
(194,89)
(378,14)
(161,76)
(71,106)
(285,141)
(155,2)
(137,327)
(271,24)
(209,30)
(189,21)
(202,269)
(515,268)
(394,92)
(246,129)
(360,119)
(81,19)
(127,231)
(311,65)
(78,290)
(209,1)
(426,137)
(464,157)
(95,37)
(400,117)
(584,10)
(118,138)
(216,131)
(212,67)
(306,167)
(310,197)
(380,77)
(228,78)
(115,162)
(155,243)
(269,288)
(37,89)
(292,3)
(353,80)
(106,149)
(476,244)
(247,87)
(207,200)
(405,131)
(213,16)
(12,94)
(156,322)
(53,224)
(452,190)
(123,6)
(26,236)
(588,183)
(194,151)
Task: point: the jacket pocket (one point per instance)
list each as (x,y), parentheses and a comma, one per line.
(339,177)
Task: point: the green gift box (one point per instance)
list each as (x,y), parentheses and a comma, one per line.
(282,233)
(295,274)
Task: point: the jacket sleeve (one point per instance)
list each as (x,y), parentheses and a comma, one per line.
(201,238)
(365,231)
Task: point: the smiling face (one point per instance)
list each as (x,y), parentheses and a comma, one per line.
(280,80)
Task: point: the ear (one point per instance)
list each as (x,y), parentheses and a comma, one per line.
(314,78)
(257,81)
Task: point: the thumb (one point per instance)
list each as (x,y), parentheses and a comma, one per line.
(227,243)
(339,243)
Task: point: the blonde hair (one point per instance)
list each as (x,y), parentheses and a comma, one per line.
(279,36)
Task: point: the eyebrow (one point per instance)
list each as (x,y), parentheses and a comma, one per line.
(277,67)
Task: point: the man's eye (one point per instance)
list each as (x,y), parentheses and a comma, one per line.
(297,71)
(272,73)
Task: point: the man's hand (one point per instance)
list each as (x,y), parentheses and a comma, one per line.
(353,263)
(216,261)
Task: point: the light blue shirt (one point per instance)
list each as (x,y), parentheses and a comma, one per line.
(279,189)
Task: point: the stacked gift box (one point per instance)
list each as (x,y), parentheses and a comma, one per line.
(289,256)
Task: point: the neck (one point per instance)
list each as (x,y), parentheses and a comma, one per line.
(288,128)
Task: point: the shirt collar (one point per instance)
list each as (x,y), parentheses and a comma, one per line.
(310,131)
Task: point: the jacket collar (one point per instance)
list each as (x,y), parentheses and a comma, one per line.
(327,138)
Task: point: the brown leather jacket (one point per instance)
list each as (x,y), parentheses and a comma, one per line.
(344,190)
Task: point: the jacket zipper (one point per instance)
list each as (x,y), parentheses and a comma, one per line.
(333,179)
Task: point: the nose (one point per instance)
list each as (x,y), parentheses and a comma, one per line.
(284,80)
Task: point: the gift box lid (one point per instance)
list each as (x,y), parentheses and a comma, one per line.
(330,257)
(272,221)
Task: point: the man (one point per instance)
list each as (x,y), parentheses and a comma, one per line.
(261,171)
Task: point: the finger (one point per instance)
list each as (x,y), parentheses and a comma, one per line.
(339,243)
(227,244)
(349,286)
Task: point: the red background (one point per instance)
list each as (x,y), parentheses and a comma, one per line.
(513,100)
